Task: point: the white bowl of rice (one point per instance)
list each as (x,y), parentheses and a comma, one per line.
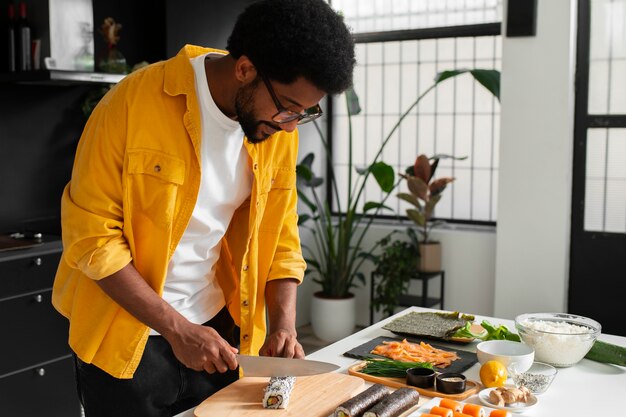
(559,339)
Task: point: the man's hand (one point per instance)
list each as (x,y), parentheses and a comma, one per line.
(282,343)
(202,348)
(280,295)
(197,347)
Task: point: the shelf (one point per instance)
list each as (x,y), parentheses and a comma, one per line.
(58,77)
(406,300)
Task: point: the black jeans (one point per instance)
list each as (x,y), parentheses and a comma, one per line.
(161,385)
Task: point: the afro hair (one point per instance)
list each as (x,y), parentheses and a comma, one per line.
(287,39)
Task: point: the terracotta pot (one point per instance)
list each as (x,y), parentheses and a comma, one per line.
(333,319)
(430,257)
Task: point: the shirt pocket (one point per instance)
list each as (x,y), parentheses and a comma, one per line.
(152,184)
(281,185)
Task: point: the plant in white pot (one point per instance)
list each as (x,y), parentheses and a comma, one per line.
(336,253)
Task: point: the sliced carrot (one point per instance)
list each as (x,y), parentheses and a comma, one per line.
(451,404)
(441,411)
(473,410)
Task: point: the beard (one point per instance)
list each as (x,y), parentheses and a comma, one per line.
(244,109)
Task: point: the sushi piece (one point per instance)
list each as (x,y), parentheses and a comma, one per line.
(451,404)
(394,404)
(473,410)
(499,413)
(428,415)
(441,411)
(356,406)
(460,415)
(277,391)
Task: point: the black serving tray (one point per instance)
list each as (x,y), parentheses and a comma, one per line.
(465,361)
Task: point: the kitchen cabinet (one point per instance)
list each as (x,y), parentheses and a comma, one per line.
(36,369)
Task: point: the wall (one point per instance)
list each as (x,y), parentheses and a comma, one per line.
(200,22)
(536,152)
(39,130)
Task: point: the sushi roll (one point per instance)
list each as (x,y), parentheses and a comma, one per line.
(499,413)
(451,404)
(394,404)
(473,410)
(277,391)
(356,406)
(441,411)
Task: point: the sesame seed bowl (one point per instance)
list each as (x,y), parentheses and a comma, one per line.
(537,379)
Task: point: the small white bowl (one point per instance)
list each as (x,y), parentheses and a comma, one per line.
(516,356)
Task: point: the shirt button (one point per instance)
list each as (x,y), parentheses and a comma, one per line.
(255,166)
(245,337)
(157,168)
(273,180)
(245,303)
(245,267)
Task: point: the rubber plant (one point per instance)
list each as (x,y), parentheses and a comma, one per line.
(424,192)
(337,253)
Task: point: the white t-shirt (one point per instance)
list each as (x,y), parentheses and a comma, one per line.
(191,287)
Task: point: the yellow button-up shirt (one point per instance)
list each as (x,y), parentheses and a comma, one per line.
(134,186)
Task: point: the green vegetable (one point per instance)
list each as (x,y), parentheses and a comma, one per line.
(491,332)
(607,353)
(499,333)
(391,368)
(467,332)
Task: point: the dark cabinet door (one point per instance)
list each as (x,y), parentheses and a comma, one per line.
(27,274)
(47,390)
(32,332)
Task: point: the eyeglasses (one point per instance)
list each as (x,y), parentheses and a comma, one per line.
(285,116)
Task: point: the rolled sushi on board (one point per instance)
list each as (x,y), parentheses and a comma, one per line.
(277,391)
(394,404)
(356,406)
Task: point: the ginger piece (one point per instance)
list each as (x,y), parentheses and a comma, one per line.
(509,395)
(495,397)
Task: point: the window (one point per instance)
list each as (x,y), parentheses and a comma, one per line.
(397,63)
(605,178)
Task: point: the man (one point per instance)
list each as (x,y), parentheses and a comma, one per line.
(177,230)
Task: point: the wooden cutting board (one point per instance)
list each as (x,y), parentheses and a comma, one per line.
(312,396)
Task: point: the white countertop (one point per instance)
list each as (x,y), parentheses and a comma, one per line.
(586,389)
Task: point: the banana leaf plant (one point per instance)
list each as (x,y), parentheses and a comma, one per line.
(337,254)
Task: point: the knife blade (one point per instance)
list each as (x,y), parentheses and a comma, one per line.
(272,366)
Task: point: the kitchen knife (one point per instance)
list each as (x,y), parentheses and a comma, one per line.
(271,366)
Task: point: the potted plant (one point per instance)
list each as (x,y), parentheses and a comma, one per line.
(337,252)
(394,267)
(424,194)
